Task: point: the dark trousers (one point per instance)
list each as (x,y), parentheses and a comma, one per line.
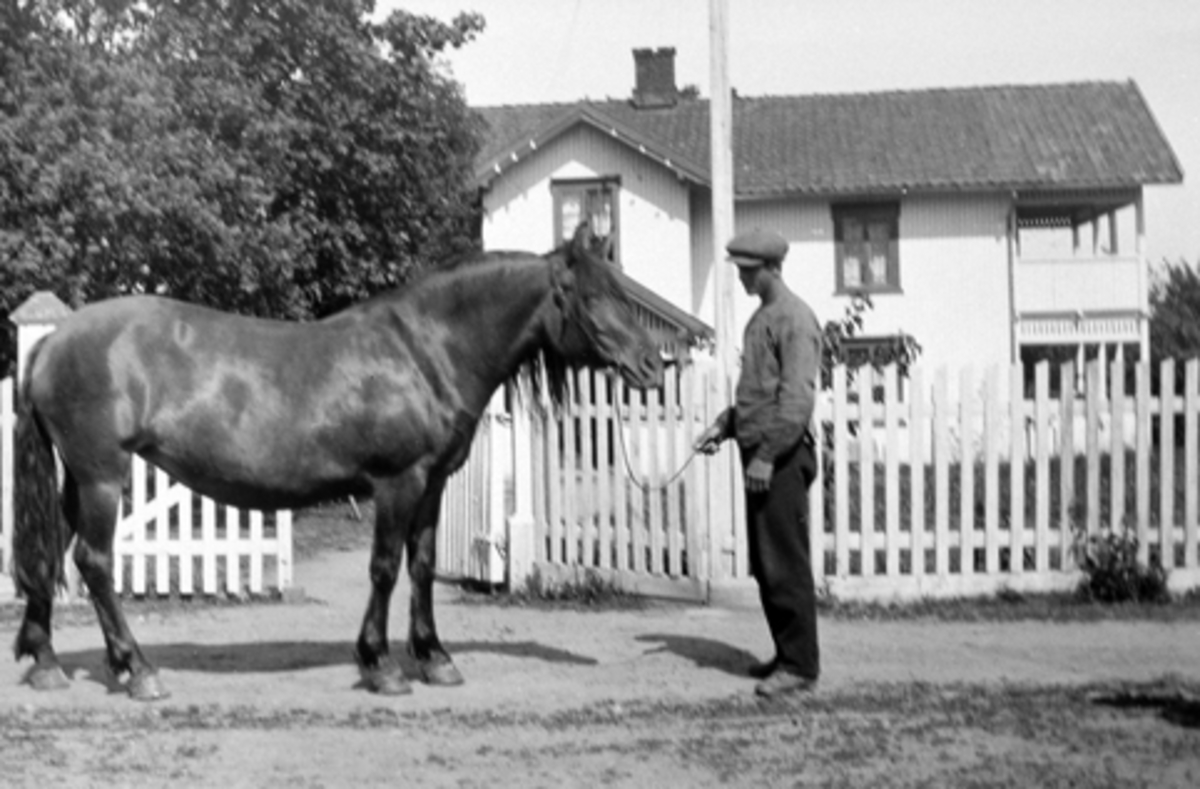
(777,532)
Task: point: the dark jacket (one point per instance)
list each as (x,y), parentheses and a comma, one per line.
(776,391)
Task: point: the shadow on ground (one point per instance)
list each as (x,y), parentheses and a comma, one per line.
(704,652)
(282,656)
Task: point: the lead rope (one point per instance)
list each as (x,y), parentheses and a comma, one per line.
(629,472)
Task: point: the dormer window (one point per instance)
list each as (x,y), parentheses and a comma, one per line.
(591,200)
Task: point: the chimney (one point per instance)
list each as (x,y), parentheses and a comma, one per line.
(655,74)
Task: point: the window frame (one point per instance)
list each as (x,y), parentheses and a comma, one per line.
(560,188)
(867,214)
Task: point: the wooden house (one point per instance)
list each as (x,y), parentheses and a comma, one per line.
(986,222)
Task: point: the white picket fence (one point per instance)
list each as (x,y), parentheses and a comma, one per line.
(170,540)
(897,515)
(1044,474)
(613,488)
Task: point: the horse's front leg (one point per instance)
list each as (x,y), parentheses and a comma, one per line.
(423,643)
(395,507)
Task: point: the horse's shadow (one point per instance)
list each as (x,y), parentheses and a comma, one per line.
(284,656)
(704,652)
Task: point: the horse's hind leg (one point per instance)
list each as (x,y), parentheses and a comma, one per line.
(39,550)
(95,518)
(423,642)
(34,639)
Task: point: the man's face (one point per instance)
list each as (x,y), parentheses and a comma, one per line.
(750,277)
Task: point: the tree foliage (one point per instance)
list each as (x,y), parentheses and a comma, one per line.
(901,349)
(271,157)
(1175,312)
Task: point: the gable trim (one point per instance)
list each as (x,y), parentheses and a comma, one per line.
(589,116)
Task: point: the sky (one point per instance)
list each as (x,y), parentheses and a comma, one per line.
(535,51)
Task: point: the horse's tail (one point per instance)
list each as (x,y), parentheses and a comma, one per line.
(40,533)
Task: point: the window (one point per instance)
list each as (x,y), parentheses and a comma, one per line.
(867,240)
(592,200)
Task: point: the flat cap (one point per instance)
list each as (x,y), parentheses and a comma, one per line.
(755,247)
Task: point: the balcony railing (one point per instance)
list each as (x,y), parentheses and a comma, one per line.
(1079,285)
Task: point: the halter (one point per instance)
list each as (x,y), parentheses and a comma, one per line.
(570,315)
(568,310)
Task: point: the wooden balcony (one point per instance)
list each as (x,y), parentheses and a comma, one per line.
(1080,299)
(1107,284)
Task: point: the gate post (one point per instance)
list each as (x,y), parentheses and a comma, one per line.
(8,423)
(521,540)
(36,317)
(495,481)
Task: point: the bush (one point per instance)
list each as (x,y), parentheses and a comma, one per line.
(1112,572)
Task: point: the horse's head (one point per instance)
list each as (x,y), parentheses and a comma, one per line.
(595,323)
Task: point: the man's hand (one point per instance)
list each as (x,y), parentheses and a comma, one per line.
(710,440)
(758,475)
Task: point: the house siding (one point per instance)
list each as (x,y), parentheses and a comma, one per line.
(953,273)
(954,265)
(654,219)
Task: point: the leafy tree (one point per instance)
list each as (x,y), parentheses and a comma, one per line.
(1175,312)
(283,157)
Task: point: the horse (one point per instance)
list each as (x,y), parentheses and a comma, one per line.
(379,400)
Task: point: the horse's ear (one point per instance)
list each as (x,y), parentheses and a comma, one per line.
(606,247)
(581,242)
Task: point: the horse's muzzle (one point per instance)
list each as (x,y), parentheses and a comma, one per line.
(645,371)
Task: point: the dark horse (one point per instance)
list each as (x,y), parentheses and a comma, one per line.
(381,399)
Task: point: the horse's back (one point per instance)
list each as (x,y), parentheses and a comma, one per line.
(186,386)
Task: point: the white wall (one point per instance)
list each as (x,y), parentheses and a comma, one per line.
(953,248)
(654,223)
(953,273)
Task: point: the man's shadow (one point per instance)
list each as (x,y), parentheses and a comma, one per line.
(281,656)
(704,652)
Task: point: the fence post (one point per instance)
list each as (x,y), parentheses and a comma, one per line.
(7,423)
(521,538)
(495,435)
(36,317)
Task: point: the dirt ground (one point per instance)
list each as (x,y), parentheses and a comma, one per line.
(269,696)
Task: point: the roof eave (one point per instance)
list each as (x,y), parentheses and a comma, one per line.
(683,168)
(901,190)
(640,294)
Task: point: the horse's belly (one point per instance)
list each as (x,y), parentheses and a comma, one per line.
(259,469)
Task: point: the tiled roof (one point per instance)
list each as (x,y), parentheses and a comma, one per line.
(1078,135)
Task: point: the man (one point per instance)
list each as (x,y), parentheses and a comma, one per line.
(776,391)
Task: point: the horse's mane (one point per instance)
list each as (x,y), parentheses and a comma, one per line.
(549,372)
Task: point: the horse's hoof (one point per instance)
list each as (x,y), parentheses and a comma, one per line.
(385,678)
(389,684)
(147,687)
(50,678)
(441,673)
